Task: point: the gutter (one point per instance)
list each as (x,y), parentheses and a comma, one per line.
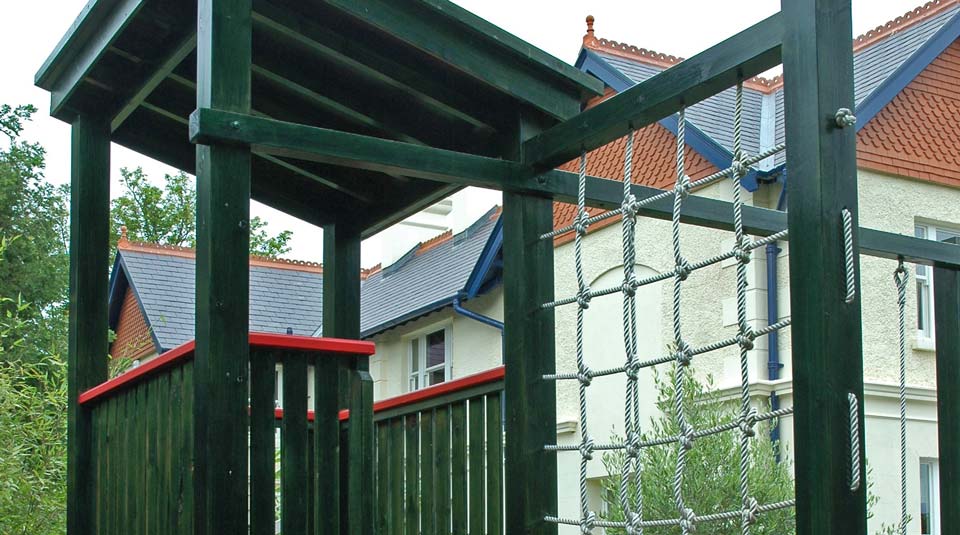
(773,347)
(486,320)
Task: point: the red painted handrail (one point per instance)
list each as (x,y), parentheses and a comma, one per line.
(185,352)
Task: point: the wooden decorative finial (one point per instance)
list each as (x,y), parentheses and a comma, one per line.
(123,236)
(588,38)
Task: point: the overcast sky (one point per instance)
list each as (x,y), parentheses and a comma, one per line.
(32,28)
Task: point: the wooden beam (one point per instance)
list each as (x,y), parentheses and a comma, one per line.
(946,301)
(742,56)
(87,344)
(827,327)
(531,412)
(341,319)
(363,152)
(222,272)
(371,64)
(179,53)
(432,30)
(96,31)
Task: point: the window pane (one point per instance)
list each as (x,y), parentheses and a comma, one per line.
(435,349)
(414,354)
(925,505)
(943,234)
(920,232)
(414,383)
(437,376)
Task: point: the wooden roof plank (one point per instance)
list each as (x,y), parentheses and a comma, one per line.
(179,53)
(70,65)
(435,36)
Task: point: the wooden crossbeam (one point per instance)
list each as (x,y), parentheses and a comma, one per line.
(742,56)
(309,143)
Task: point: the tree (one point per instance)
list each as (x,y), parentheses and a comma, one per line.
(35,265)
(167,215)
(712,477)
(33,431)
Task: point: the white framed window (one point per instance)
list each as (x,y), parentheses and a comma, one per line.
(924,278)
(429,358)
(929,517)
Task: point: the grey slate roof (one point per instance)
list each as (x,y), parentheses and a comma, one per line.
(282,298)
(279,298)
(418,281)
(871,66)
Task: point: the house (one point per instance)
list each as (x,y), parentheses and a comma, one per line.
(435,312)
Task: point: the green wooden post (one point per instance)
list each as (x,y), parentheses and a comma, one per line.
(827,345)
(947,317)
(341,319)
(222,275)
(87,350)
(531,402)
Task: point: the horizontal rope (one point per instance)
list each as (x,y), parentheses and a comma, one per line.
(591,374)
(640,203)
(662,441)
(715,517)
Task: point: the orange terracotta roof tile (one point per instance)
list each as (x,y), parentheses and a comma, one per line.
(917,134)
(902,22)
(654,165)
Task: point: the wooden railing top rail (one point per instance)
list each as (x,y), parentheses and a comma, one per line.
(183,353)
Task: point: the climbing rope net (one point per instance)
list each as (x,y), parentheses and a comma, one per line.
(682,353)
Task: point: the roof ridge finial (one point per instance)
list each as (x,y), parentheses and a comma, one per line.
(124,240)
(589,38)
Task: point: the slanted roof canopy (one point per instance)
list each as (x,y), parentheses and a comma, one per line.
(421,72)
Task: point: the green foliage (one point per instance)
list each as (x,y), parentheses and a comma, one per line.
(712,475)
(166,215)
(33,432)
(35,265)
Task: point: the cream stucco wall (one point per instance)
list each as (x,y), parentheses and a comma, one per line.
(709,314)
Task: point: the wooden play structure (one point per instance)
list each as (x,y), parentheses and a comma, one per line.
(351,115)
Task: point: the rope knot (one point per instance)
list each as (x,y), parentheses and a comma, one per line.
(683,187)
(900,277)
(586,448)
(750,510)
(633,524)
(746,337)
(748,422)
(629,289)
(630,207)
(688,520)
(739,166)
(585,376)
(687,437)
(580,224)
(742,253)
(633,445)
(632,369)
(588,522)
(844,117)
(684,269)
(583,297)
(684,354)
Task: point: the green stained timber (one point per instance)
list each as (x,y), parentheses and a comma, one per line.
(435,29)
(363,152)
(91,36)
(742,56)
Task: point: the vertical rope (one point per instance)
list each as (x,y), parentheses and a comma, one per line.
(745,334)
(901,277)
(854,442)
(683,355)
(587,518)
(630,503)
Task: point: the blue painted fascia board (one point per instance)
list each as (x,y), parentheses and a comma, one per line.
(486,260)
(914,65)
(119,263)
(592,63)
